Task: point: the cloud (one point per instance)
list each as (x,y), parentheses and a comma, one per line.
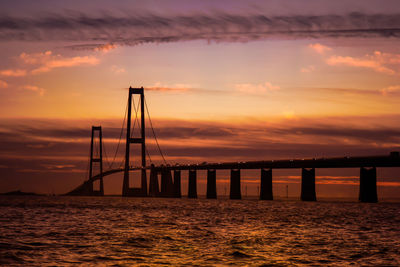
(136,29)
(303,137)
(13,73)
(3,84)
(319,48)
(380,62)
(57,148)
(34,88)
(344,91)
(261,88)
(117,70)
(105,48)
(395,89)
(173,88)
(45,62)
(308,69)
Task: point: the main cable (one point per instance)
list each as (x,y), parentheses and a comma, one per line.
(154,134)
(120,135)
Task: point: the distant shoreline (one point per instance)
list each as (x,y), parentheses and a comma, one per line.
(20,193)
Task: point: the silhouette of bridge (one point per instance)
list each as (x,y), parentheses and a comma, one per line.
(171,186)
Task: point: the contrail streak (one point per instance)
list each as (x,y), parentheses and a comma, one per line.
(150,28)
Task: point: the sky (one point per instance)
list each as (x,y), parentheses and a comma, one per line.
(224,81)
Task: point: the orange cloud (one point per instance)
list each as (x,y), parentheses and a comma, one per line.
(388,184)
(249,88)
(390,90)
(47,61)
(378,61)
(13,73)
(117,70)
(319,48)
(308,69)
(3,84)
(178,87)
(105,48)
(34,88)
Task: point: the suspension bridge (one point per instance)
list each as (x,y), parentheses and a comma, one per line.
(171,184)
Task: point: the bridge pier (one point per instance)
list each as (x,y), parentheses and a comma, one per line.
(211,184)
(192,190)
(368,190)
(177,183)
(308,185)
(167,187)
(143,183)
(266,185)
(154,190)
(235,185)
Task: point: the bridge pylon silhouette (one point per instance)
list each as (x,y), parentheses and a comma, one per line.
(126,189)
(96,158)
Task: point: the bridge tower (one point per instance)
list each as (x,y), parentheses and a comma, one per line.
(98,159)
(126,190)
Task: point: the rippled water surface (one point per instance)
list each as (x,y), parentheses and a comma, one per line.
(128,231)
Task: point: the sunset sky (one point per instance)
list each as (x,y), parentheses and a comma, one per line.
(224,81)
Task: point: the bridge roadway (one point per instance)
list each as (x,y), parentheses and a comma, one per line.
(172,188)
(392,160)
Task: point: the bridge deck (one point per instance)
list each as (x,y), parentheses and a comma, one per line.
(392,160)
(343,162)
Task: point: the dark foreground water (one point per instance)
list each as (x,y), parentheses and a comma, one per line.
(122,232)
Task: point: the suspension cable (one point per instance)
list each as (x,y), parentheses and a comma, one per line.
(120,136)
(106,157)
(148,155)
(154,134)
(87,167)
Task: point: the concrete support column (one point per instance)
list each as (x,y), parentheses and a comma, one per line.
(164,181)
(177,183)
(144,183)
(266,185)
(235,185)
(192,190)
(308,185)
(211,184)
(154,190)
(368,192)
(167,187)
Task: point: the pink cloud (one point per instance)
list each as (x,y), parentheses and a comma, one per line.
(3,84)
(178,87)
(117,70)
(319,48)
(34,88)
(308,69)
(380,62)
(261,88)
(47,61)
(13,73)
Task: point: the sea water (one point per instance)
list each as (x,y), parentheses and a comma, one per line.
(115,231)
